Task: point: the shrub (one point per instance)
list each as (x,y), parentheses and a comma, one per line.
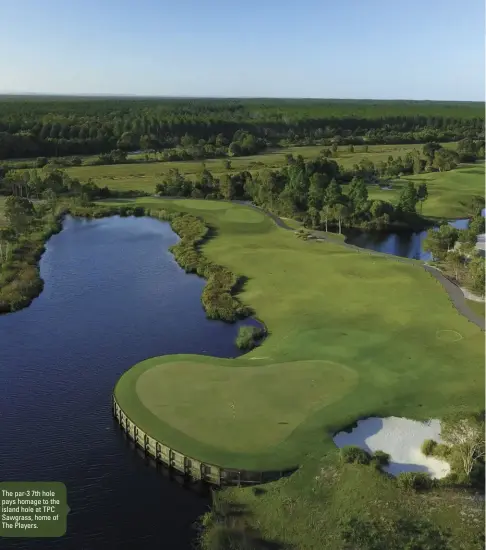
(354,455)
(381,459)
(41,162)
(455,479)
(248,337)
(428,447)
(414,480)
(477,476)
(442,451)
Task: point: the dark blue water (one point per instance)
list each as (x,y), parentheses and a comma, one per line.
(113,296)
(405,244)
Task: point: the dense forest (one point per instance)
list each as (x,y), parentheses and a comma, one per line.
(203,128)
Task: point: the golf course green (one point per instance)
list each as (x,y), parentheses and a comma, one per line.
(349,335)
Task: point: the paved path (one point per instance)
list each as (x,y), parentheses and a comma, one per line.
(455,293)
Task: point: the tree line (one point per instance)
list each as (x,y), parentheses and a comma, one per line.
(42,127)
(319,192)
(455,249)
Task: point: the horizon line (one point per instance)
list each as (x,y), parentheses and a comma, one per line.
(150,96)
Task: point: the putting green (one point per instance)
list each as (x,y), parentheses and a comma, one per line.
(242,409)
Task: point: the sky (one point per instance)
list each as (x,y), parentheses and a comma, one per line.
(368,49)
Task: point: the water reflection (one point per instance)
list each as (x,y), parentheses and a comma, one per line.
(404,244)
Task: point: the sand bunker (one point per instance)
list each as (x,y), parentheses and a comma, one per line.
(401,438)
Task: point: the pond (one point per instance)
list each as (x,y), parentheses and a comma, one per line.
(405,244)
(113,296)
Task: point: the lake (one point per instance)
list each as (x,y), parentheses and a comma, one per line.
(405,244)
(113,296)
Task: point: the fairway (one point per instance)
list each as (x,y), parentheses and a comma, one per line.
(246,408)
(240,216)
(143,176)
(377,336)
(449,192)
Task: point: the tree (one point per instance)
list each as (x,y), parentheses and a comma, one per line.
(19,212)
(380,208)
(340,212)
(456,260)
(445,160)
(6,238)
(313,215)
(325,214)
(50,197)
(227,187)
(439,242)
(333,193)
(476,274)
(429,150)
(358,193)
(317,189)
(408,199)
(234,149)
(466,435)
(145,142)
(422,194)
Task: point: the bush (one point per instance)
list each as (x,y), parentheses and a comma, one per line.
(248,337)
(41,162)
(428,447)
(442,451)
(477,477)
(354,455)
(414,480)
(381,459)
(455,479)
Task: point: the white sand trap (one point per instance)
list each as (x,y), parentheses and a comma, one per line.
(401,438)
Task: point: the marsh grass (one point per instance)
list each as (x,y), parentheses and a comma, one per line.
(248,337)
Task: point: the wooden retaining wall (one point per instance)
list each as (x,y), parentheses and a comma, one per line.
(188,466)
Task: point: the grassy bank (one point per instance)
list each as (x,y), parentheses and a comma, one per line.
(477,307)
(20,280)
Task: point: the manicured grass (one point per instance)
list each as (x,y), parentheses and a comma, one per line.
(144,176)
(372,316)
(284,395)
(449,192)
(477,307)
